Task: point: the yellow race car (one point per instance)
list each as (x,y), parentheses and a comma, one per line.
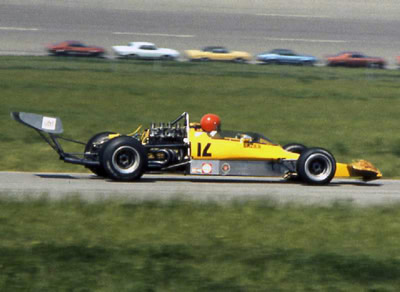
(217,53)
(197,149)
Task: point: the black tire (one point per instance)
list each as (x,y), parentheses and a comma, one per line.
(167,58)
(123,158)
(93,146)
(95,54)
(269,62)
(295,148)
(316,166)
(307,63)
(60,53)
(239,60)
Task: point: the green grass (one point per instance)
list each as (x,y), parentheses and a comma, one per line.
(352,112)
(71,245)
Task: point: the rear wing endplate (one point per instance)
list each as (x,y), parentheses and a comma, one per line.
(38,122)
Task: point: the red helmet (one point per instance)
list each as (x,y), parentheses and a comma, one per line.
(210,122)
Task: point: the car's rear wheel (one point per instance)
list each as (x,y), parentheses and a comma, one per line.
(375,65)
(95,54)
(124,158)
(316,166)
(92,150)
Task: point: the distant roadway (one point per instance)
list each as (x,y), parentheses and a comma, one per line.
(307,26)
(56,186)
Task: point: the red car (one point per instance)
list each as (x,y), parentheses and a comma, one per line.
(351,59)
(398,61)
(74,48)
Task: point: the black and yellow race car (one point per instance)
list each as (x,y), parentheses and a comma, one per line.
(196,149)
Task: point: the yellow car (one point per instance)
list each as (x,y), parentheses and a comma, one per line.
(197,149)
(217,54)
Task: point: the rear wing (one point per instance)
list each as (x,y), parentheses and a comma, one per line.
(49,129)
(38,122)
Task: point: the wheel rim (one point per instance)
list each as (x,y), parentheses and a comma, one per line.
(125,159)
(318,167)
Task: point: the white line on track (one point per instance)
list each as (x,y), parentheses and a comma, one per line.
(19,28)
(156,34)
(304,40)
(293,15)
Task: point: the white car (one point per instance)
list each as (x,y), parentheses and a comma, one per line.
(145,50)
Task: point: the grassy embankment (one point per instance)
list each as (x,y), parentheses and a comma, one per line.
(185,246)
(354,113)
(181,246)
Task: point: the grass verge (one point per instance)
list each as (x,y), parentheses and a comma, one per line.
(70,245)
(352,112)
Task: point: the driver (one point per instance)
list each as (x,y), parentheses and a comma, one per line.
(211,123)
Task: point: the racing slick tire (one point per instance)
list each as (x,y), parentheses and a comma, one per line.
(316,166)
(295,148)
(95,149)
(123,158)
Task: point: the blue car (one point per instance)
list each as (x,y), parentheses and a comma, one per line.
(283,56)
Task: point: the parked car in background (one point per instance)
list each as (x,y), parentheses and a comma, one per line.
(74,48)
(284,56)
(398,61)
(354,59)
(217,53)
(145,50)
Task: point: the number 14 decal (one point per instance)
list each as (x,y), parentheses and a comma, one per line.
(205,152)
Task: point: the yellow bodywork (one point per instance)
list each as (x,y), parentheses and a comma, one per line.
(230,56)
(360,168)
(207,147)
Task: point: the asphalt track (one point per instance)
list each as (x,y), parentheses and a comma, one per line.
(307,26)
(198,188)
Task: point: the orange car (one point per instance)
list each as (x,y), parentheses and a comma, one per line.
(74,48)
(398,61)
(351,59)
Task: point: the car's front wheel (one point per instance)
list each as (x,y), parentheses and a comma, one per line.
(124,158)
(316,166)
(295,148)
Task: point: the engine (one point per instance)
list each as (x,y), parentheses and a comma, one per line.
(166,134)
(166,147)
